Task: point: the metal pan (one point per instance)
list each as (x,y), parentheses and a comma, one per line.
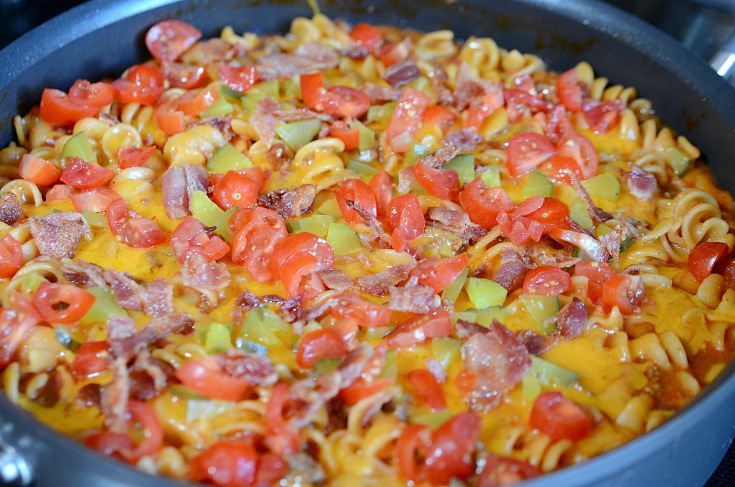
(103,37)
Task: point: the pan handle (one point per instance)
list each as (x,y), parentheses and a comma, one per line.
(724,61)
(14,470)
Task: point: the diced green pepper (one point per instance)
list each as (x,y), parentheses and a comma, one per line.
(30,283)
(326,365)
(330,207)
(466,315)
(432,420)
(104,306)
(95,220)
(264,326)
(367,136)
(292,87)
(680,163)
(381,113)
(184,392)
(78,146)
(390,369)
(578,212)
(250,101)
(452,291)
(605,186)
(549,373)
(539,308)
(487,315)
(219,339)
(62,336)
(416,152)
(219,108)
(204,209)
(484,292)
(446,351)
(464,166)
(602,229)
(223,224)
(250,346)
(228,158)
(316,224)
(343,239)
(201,328)
(420,83)
(206,408)
(491,177)
(364,169)
(538,184)
(627,243)
(531,388)
(232,96)
(269,88)
(296,134)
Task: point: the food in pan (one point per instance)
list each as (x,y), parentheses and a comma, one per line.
(357,256)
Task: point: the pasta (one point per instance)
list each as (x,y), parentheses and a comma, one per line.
(350,256)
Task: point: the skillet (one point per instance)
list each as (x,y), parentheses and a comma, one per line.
(103,37)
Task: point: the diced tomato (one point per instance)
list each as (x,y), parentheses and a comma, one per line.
(569,91)
(359,192)
(559,417)
(271,468)
(37,170)
(255,241)
(284,251)
(517,102)
(191,237)
(382,186)
(625,292)
(92,94)
(555,169)
(392,54)
(96,200)
(116,445)
(602,116)
(312,90)
(149,428)
(405,216)
(287,438)
(362,389)
(519,228)
(365,35)
(62,303)
(11,256)
(484,106)
(427,389)
(415,330)
(526,151)
(256,174)
(703,258)
(438,115)
(351,137)
(726,268)
(15,323)
(442,183)
(483,204)
(239,78)
(411,106)
(133,229)
(225,463)
(319,344)
(553,213)
(594,271)
(503,471)
(298,276)
(583,152)
(143,84)
(180,76)
(60,192)
(133,156)
(168,40)
(350,305)
(547,280)
(345,102)
(209,378)
(57,108)
(90,359)
(169,118)
(193,103)
(235,189)
(440,273)
(85,175)
(557,126)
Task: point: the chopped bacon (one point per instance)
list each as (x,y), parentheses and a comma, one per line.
(629,227)
(602,115)
(245,302)
(511,271)
(149,376)
(272,66)
(436,369)
(57,235)
(298,114)
(128,293)
(413,297)
(596,213)
(216,50)
(537,344)
(178,186)
(126,341)
(89,396)
(455,221)
(223,124)
(376,228)
(158,298)
(589,244)
(437,82)
(256,369)
(379,284)
(572,319)
(401,74)
(465,329)
(16,325)
(612,241)
(440,156)
(290,202)
(465,140)
(336,280)
(324,55)
(467,87)
(264,119)
(373,404)
(200,273)
(11,209)
(495,362)
(279,155)
(83,273)
(355,52)
(559,259)
(115,395)
(641,184)
(378,93)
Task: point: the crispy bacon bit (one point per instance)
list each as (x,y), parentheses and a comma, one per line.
(537,344)
(336,280)
(272,66)
(115,395)
(279,155)
(378,93)
(380,283)
(223,124)
(272,298)
(216,50)
(149,376)
(376,402)
(355,52)
(611,241)
(511,271)
(455,221)
(126,341)
(401,74)
(89,396)
(57,235)
(437,82)
(406,178)
(641,184)
(572,319)
(440,156)
(629,227)
(290,202)
(436,369)
(465,140)
(495,362)
(11,210)
(298,114)
(178,186)
(596,213)
(256,369)
(245,302)
(413,298)
(198,272)
(465,329)
(158,299)
(320,53)
(264,119)
(128,293)
(197,179)
(83,273)
(376,228)
(559,259)
(467,87)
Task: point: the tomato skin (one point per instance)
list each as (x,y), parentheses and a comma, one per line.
(90,359)
(116,445)
(60,192)
(438,115)
(350,137)
(582,151)
(382,186)
(391,54)
(193,103)
(440,273)
(602,116)
(415,330)
(225,463)
(481,108)
(261,231)
(405,216)
(362,389)
(287,440)
(298,268)
(559,417)
(350,305)
(411,106)
(359,192)
(57,108)
(11,256)
(557,167)
(284,251)
(133,156)
(569,91)
(235,189)
(91,94)
(365,35)
(704,257)
(319,344)
(208,378)
(501,471)
(442,183)
(48,296)
(547,281)
(526,151)
(181,76)
(169,119)
(625,292)
(85,175)
(239,78)
(483,204)
(38,170)
(312,90)
(143,84)
(553,213)
(132,229)
(168,40)
(345,102)
(190,237)
(96,200)
(427,389)
(594,271)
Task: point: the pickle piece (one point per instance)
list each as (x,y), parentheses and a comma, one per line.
(223,224)
(219,339)
(219,108)
(491,177)
(330,207)
(432,420)
(381,113)
(680,163)
(78,146)
(250,101)
(296,134)
(65,339)
(250,346)
(326,365)
(451,292)
(204,209)
(421,83)
(264,326)
(539,308)
(605,186)
(486,316)
(268,88)
(464,166)
(446,351)
(549,373)
(228,158)
(343,239)
(364,169)
(367,136)
(538,184)
(484,292)
(390,369)
(104,306)
(578,212)
(416,152)
(95,220)
(316,224)
(292,86)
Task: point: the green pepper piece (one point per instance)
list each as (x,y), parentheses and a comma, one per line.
(432,420)
(538,184)
(451,292)
(249,101)
(316,224)
(484,292)
(204,209)
(250,346)
(223,224)
(186,393)
(364,169)
(219,339)
(367,136)
(326,365)
(680,163)
(549,373)
(232,96)
(292,87)
(539,308)
(466,315)
(264,326)
(381,113)
(627,243)
(269,88)
(343,239)
(602,229)
(390,369)
(104,306)
(491,177)
(446,351)
(421,83)
(531,388)
(206,408)
(219,108)
(464,166)
(62,336)
(95,220)
(416,152)
(30,283)
(578,212)
(228,158)
(296,134)
(78,146)
(605,186)
(330,207)
(487,315)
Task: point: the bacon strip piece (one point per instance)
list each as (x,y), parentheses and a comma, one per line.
(401,74)
(537,344)
(115,396)
(376,228)
(256,369)
(457,222)
(511,271)
(57,235)
(413,297)
(126,341)
(279,155)
(11,209)
(465,140)
(264,119)
(597,214)
(223,124)
(322,54)
(245,302)
(380,283)
(178,185)
(440,156)
(612,241)
(199,272)
(83,273)
(336,280)
(290,202)
(572,319)
(155,299)
(304,60)
(378,93)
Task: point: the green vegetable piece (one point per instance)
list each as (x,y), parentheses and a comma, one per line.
(432,420)
(538,184)
(249,101)
(416,152)
(464,166)
(467,315)
(296,134)
(451,292)
(205,210)
(104,306)
(605,186)
(491,177)
(228,158)
(233,96)
(62,336)
(316,224)
(487,315)
(549,373)
(219,339)
(78,146)
(326,365)
(292,87)
(223,224)
(364,169)
(484,292)
(446,350)
(627,243)
(343,239)
(264,326)
(539,308)
(219,108)
(390,369)
(602,229)
(531,388)
(680,163)
(30,283)
(578,212)
(206,408)
(330,207)
(421,83)
(250,346)
(269,88)
(184,392)
(95,220)
(367,136)
(381,113)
